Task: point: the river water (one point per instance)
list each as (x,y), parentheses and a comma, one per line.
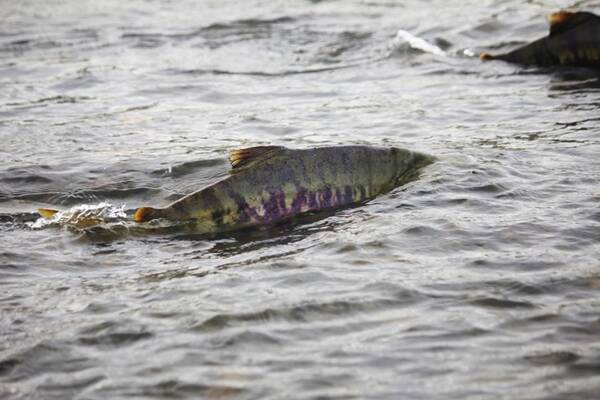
(479,280)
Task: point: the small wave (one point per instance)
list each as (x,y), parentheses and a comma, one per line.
(251,23)
(22,45)
(305,312)
(113,334)
(215,30)
(552,358)
(282,73)
(493,302)
(17,220)
(404,37)
(186,168)
(60,99)
(171,389)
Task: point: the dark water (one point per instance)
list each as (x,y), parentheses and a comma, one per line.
(480,280)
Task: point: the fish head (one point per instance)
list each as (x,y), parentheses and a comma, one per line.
(408,163)
(407,159)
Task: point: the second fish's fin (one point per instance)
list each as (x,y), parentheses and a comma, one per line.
(563,21)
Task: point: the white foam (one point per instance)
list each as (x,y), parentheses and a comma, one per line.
(102,212)
(416,42)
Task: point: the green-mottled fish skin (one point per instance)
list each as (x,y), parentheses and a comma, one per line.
(276,183)
(574,40)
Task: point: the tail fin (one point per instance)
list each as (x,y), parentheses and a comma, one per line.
(47,213)
(144,214)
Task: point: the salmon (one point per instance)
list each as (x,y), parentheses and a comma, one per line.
(268,184)
(574,40)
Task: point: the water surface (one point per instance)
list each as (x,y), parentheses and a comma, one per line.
(479,280)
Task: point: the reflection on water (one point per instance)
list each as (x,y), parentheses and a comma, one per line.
(478,280)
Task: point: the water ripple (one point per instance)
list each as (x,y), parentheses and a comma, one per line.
(478,280)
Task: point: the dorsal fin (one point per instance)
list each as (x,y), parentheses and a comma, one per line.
(563,21)
(242,157)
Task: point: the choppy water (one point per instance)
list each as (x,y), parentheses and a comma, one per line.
(480,280)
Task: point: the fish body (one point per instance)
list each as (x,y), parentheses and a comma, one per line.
(269,184)
(574,40)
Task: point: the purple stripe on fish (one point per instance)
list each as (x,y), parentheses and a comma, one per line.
(326,198)
(271,208)
(312,201)
(339,197)
(348,198)
(299,200)
(274,208)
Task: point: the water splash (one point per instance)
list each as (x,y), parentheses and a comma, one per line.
(404,37)
(83,216)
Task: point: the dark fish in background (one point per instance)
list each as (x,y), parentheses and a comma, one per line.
(574,40)
(271,183)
